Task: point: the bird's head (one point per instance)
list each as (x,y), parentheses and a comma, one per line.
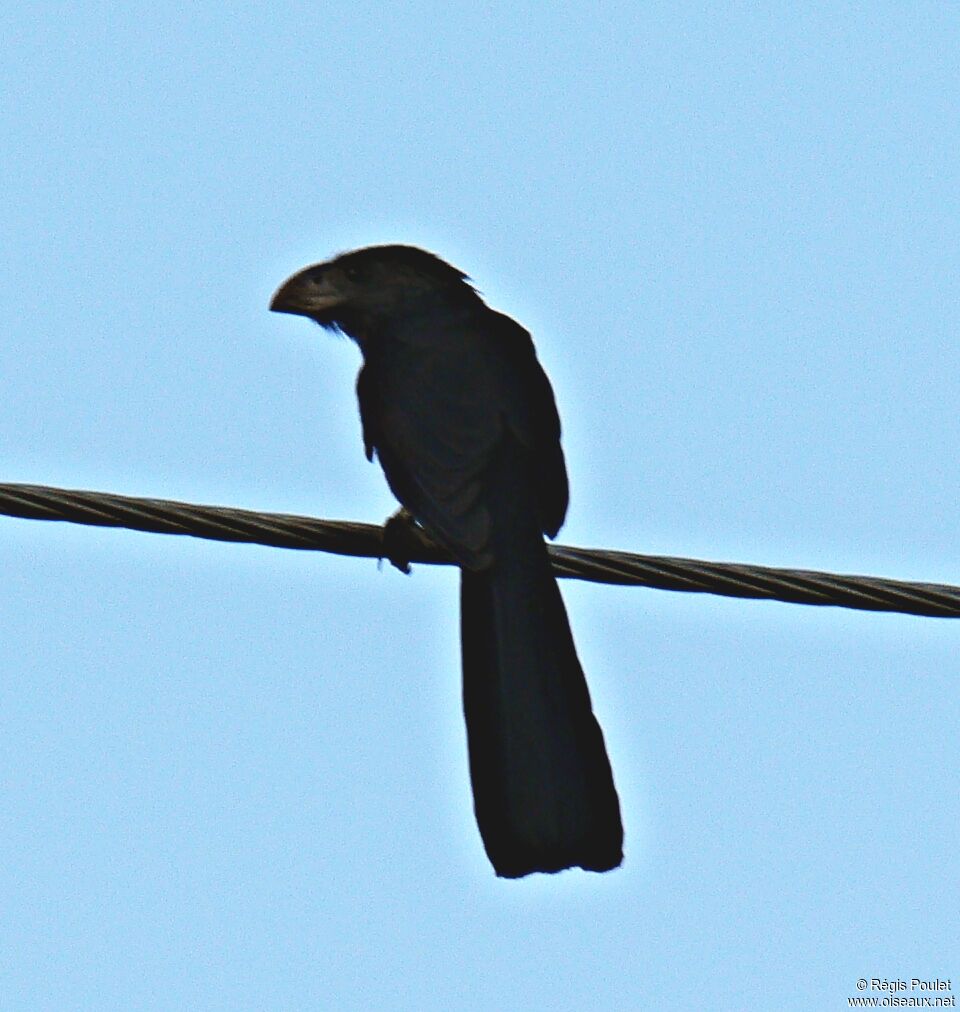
(360,290)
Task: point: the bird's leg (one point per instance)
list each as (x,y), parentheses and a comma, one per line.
(401,538)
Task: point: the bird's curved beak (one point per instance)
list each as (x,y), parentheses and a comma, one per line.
(307,293)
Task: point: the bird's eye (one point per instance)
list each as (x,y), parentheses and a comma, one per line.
(353,273)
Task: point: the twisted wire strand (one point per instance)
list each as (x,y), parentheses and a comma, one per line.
(281,530)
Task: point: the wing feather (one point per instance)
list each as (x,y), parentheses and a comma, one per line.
(437,403)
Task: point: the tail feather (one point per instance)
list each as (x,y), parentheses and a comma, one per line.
(543,789)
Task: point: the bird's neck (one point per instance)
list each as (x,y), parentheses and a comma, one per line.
(420,322)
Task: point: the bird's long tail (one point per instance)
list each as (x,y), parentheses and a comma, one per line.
(542,786)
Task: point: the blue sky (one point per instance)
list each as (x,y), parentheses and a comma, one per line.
(235,777)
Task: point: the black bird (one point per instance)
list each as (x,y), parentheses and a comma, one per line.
(462,419)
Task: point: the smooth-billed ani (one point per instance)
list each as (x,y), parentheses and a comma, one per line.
(462,419)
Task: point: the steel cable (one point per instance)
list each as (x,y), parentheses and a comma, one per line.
(281,530)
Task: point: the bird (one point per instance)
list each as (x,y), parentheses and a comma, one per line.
(461,417)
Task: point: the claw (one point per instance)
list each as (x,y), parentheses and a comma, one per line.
(400,539)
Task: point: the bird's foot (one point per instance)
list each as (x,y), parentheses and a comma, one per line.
(401,539)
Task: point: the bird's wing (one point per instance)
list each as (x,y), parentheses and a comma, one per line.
(533,419)
(437,406)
